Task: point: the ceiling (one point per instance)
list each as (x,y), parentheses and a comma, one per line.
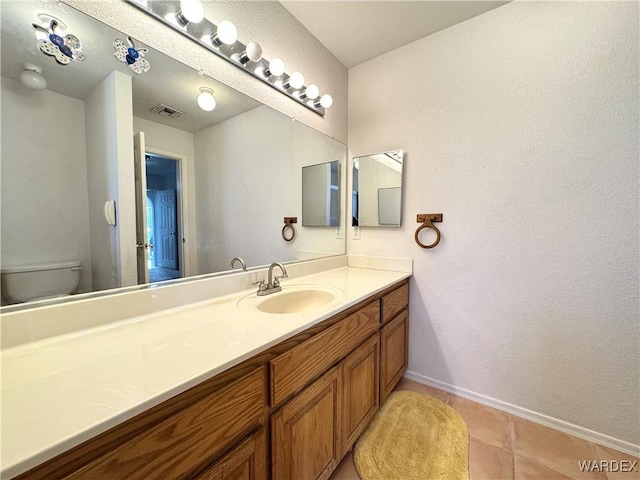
(357,31)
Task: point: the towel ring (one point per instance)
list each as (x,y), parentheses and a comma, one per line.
(288,221)
(426,219)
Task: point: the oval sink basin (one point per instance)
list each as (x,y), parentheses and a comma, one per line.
(292,299)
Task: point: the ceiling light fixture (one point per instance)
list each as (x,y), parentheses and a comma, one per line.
(31,77)
(206,100)
(222,40)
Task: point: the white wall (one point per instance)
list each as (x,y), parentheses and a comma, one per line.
(310,148)
(233,157)
(521,127)
(109,139)
(267,22)
(172,141)
(44,179)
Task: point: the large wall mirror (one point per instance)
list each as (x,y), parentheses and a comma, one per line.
(377,189)
(212,185)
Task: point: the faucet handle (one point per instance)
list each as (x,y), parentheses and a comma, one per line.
(276,279)
(261,285)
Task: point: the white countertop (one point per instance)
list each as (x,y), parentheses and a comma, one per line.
(60,391)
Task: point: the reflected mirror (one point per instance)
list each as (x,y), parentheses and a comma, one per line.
(321,195)
(377,190)
(192,190)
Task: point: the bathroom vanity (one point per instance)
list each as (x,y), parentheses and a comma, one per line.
(289,408)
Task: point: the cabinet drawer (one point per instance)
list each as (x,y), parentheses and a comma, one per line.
(295,368)
(181,444)
(394,302)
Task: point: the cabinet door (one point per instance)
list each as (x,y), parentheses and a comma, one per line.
(393,353)
(360,392)
(247,461)
(305,432)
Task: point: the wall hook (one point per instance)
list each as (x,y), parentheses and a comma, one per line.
(426,219)
(288,221)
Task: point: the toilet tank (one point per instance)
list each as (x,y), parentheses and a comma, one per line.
(33,282)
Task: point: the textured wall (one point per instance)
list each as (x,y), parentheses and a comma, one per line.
(521,127)
(44,192)
(234,217)
(268,23)
(109,131)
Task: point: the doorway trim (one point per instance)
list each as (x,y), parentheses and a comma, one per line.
(182,193)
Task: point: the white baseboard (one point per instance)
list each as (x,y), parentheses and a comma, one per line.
(540,418)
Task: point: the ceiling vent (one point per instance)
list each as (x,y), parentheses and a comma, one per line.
(167,111)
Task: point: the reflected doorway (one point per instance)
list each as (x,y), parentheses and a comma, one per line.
(162,203)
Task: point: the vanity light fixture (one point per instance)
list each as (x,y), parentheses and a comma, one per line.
(253,53)
(296,80)
(226,34)
(275,68)
(191,11)
(325,101)
(188,18)
(31,77)
(311,92)
(206,100)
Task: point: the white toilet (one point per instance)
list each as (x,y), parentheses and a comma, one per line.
(39,281)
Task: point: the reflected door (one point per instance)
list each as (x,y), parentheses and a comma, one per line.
(167,228)
(142,245)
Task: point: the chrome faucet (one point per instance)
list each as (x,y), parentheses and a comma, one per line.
(238,259)
(273,282)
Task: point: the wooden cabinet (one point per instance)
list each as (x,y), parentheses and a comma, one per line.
(313,431)
(360,393)
(394,302)
(292,370)
(305,432)
(247,461)
(394,338)
(324,386)
(176,447)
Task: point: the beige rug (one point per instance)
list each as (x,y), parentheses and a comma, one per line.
(414,436)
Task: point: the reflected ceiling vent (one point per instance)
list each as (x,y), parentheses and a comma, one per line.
(167,111)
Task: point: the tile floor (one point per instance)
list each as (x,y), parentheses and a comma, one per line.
(503,446)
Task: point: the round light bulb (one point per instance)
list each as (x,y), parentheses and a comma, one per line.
(31,77)
(312,92)
(227,32)
(326,100)
(191,10)
(206,100)
(296,80)
(254,51)
(276,67)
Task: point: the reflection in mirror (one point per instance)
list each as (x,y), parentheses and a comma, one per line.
(377,190)
(321,195)
(212,185)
